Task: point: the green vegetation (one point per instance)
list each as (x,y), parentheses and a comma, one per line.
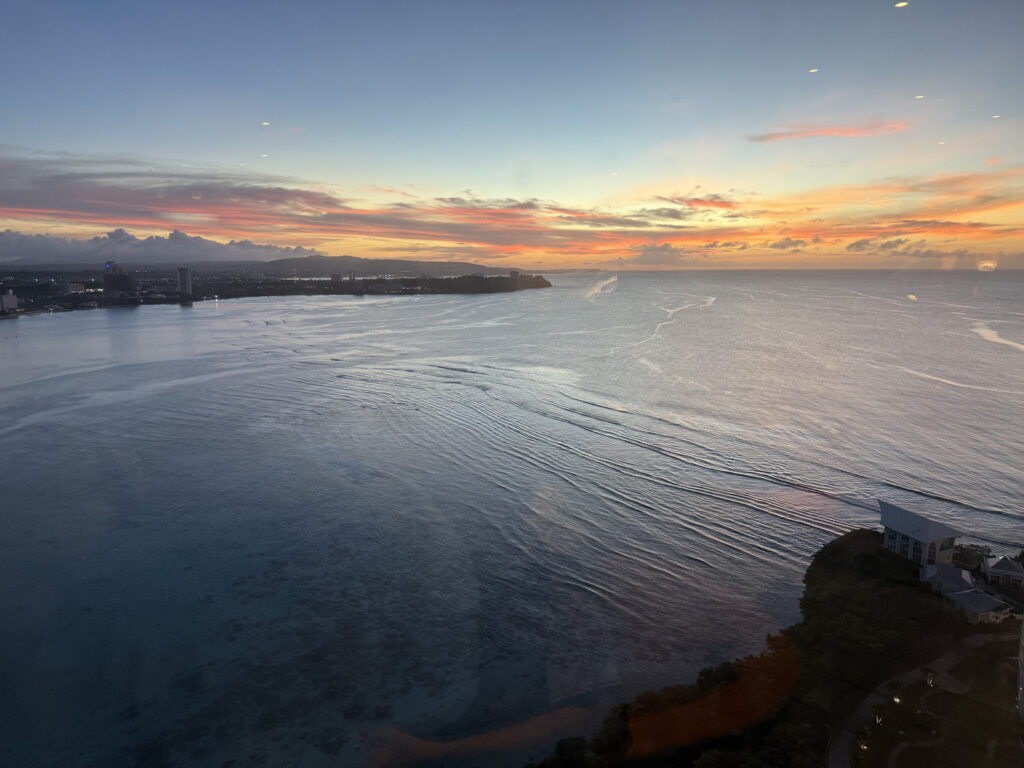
(866,619)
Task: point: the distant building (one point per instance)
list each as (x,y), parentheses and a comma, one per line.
(947,579)
(117,282)
(8,301)
(185,281)
(979,607)
(916,537)
(1003,572)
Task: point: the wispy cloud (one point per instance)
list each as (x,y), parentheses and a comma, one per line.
(120,245)
(85,195)
(874,128)
(706,201)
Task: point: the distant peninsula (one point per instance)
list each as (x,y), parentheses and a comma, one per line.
(69,287)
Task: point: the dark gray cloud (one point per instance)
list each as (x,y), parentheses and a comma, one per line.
(104,193)
(116,190)
(931,253)
(677,214)
(876,244)
(119,245)
(664,255)
(507,203)
(787,242)
(693,201)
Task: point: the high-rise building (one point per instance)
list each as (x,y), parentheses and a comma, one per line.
(185,281)
(8,302)
(117,282)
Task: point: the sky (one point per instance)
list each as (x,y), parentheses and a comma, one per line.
(560,134)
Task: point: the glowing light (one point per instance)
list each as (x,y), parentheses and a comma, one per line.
(812,70)
(264,123)
(912,297)
(996,117)
(942,142)
(919,97)
(901,5)
(264,155)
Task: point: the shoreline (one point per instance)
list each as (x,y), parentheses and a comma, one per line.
(867,622)
(234,288)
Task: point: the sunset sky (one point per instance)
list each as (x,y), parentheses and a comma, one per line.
(593,134)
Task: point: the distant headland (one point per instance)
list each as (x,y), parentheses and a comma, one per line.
(67,287)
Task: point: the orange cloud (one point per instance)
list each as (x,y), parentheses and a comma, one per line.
(982,211)
(876,128)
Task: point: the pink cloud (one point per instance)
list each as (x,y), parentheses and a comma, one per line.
(876,128)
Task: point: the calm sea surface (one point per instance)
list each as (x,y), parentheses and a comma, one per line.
(341,530)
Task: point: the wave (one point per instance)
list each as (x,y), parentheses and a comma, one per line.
(603,288)
(983,330)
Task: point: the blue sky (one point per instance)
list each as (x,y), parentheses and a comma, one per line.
(590,106)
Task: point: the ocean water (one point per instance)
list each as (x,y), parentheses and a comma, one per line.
(448,530)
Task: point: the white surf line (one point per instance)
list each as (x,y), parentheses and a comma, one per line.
(960,384)
(599,289)
(988,334)
(677,309)
(897,302)
(708,301)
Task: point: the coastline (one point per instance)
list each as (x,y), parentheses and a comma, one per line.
(869,626)
(240,288)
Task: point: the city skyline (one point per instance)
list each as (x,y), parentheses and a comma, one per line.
(539,135)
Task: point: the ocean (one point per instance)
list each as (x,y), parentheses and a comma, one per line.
(448,530)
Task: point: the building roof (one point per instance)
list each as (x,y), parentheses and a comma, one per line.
(977,602)
(947,578)
(914,525)
(1004,565)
